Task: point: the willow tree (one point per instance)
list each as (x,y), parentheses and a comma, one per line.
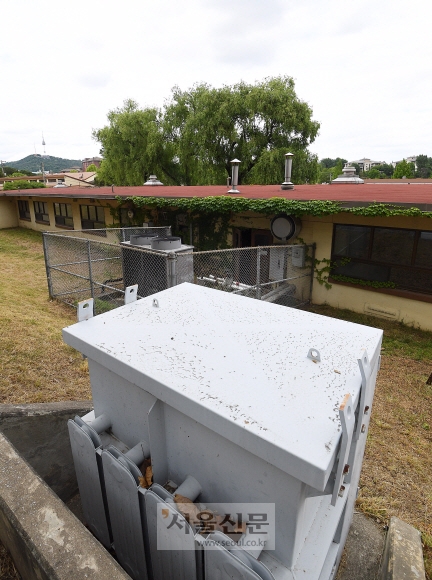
(192,140)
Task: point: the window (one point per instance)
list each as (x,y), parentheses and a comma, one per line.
(401,259)
(24,210)
(92,217)
(63,215)
(41,212)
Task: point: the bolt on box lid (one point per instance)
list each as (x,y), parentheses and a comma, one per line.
(240,367)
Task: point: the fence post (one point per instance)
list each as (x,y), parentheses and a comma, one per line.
(172,269)
(47,266)
(90,268)
(258,276)
(312,271)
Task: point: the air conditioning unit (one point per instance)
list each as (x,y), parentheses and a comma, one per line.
(224,401)
(148,260)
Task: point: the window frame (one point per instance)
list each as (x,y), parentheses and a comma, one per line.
(60,218)
(409,292)
(39,216)
(88,223)
(24,210)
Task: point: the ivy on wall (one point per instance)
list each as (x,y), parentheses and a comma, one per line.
(210,217)
(274,205)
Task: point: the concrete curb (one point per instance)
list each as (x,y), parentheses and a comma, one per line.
(44,538)
(403,553)
(39,433)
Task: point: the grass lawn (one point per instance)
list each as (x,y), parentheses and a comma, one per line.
(396,477)
(36,366)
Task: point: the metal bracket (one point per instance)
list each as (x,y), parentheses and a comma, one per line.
(365,371)
(347,419)
(85,309)
(131,293)
(314,355)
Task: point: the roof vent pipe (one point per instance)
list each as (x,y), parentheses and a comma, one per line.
(287,184)
(153,180)
(234,175)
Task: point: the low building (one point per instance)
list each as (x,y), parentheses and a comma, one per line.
(365,164)
(409,159)
(69,179)
(380,258)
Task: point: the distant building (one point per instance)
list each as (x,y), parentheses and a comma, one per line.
(366,164)
(81,179)
(409,159)
(91,160)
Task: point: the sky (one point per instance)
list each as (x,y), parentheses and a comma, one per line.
(364,67)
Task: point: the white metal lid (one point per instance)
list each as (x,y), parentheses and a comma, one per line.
(240,367)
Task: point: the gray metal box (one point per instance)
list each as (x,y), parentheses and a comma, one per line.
(258,402)
(299,256)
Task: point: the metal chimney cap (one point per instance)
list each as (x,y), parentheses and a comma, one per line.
(153,180)
(235,161)
(289,154)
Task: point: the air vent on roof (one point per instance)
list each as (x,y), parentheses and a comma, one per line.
(166,243)
(142,240)
(287,184)
(153,180)
(234,175)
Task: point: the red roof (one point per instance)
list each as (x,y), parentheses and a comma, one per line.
(415,194)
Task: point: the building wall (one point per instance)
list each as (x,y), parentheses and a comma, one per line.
(8,214)
(320,231)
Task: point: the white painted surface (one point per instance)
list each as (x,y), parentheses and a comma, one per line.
(238,366)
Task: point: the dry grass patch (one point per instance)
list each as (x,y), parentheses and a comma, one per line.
(35,364)
(7,568)
(396,476)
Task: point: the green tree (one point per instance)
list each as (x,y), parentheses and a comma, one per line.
(385,169)
(424,166)
(22,184)
(403,169)
(131,145)
(199,131)
(373,173)
(9,170)
(328,163)
(92,167)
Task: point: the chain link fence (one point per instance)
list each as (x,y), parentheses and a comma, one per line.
(101,264)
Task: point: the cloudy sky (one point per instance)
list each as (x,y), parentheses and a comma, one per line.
(364,66)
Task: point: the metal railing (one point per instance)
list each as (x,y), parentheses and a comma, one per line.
(85,264)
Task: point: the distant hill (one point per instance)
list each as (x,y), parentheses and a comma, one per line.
(54,164)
